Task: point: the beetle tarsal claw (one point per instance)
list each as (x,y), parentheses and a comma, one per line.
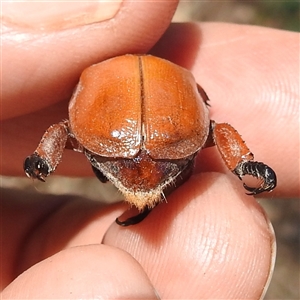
(253,190)
(40,177)
(260,171)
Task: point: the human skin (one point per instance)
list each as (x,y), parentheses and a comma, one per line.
(210,240)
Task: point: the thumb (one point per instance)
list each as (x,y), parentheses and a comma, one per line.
(45,46)
(86,272)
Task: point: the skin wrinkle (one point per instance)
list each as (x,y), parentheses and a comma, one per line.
(225,42)
(221,253)
(289,107)
(243,33)
(203,253)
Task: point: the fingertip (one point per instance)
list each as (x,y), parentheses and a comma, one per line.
(236,247)
(86,272)
(211,232)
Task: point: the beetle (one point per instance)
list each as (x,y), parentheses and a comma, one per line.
(141,120)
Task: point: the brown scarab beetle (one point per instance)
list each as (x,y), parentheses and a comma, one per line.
(141,120)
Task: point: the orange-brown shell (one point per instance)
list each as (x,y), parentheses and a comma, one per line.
(131,102)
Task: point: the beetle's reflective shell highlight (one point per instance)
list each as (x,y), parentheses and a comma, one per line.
(132,103)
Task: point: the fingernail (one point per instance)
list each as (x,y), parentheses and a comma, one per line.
(156,294)
(273,257)
(58,15)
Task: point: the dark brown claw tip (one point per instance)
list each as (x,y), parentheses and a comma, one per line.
(260,171)
(252,190)
(36,167)
(135,219)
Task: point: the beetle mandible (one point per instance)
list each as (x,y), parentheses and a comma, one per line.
(141,120)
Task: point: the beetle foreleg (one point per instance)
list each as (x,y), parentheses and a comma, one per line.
(135,219)
(239,159)
(99,175)
(49,152)
(203,95)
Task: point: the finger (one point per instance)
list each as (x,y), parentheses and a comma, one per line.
(210,241)
(44,53)
(251,77)
(86,272)
(36,226)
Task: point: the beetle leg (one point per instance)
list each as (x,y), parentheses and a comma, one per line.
(135,219)
(203,95)
(49,152)
(239,159)
(99,175)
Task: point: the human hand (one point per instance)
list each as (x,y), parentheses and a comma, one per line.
(210,240)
